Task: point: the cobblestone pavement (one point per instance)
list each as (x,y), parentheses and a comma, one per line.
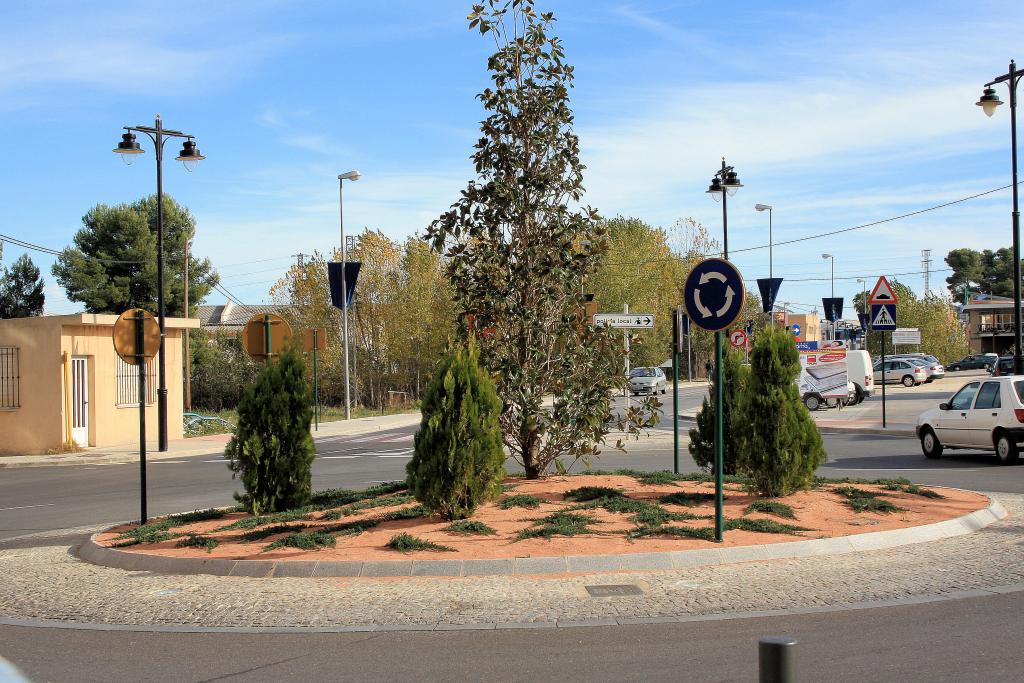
(42,581)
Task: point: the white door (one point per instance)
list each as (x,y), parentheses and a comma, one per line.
(984,417)
(951,425)
(80,400)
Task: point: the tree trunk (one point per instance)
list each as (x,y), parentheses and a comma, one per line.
(530,457)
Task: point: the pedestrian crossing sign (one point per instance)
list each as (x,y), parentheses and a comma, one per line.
(883,317)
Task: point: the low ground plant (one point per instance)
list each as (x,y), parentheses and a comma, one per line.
(762,526)
(406,543)
(198,541)
(702,533)
(585,493)
(861,500)
(520,500)
(304,540)
(771,507)
(559,524)
(688,499)
(468,527)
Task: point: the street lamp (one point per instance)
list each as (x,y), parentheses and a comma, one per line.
(189,156)
(988,101)
(832,326)
(768,208)
(352,176)
(724,184)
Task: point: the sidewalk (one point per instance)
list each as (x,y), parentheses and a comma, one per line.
(199,445)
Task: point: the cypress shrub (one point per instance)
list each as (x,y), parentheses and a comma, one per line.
(784,445)
(272,450)
(702,438)
(458,458)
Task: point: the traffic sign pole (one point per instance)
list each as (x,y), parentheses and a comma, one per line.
(677,323)
(719,437)
(316,385)
(883,379)
(140,355)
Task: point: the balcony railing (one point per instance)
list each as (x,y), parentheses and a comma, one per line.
(995,328)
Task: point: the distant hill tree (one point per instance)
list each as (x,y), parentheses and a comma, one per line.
(21,290)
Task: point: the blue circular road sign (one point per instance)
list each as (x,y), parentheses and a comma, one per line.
(714,294)
(796,330)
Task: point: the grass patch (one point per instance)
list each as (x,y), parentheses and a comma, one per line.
(334,498)
(359,526)
(861,500)
(585,493)
(260,534)
(771,507)
(405,543)
(643,513)
(762,526)
(383,501)
(651,478)
(559,524)
(153,532)
(298,514)
(197,541)
(303,540)
(688,499)
(520,500)
(702,533)
(468,527)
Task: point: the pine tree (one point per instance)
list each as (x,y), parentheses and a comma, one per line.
(702,438)
(458,459)
(272,450)
(785,446)
(21,290)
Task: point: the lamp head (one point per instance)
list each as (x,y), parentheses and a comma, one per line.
(732,183)
(826,256)
(128,148)
(351,175)
(763,207)
(715,189)
(988,101)
(190,156)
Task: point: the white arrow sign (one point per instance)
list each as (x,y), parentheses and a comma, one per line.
(630,320)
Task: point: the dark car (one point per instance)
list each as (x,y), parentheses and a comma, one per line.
(979,362)
(1004,367)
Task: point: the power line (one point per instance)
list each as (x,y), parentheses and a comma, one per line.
(53,252)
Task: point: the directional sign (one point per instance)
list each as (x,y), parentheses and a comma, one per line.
(833,308)
(795,329)
(631,320)
(882,293)
(738,339)
(714,294)
(883,317)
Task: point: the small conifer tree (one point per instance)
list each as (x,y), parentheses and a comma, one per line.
(702,438)
(458,458)
(784,445)
(272,450)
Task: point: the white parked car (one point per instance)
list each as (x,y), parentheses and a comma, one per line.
(647,381)
(986,415)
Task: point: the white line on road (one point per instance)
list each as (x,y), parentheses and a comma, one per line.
(169,462)
(22,507)
(391,456)
(900,469)
(339,457)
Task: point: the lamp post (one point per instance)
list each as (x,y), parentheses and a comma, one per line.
(832,324)
(768,208)
(189,156)
(353,176)
(988,101)
(724,184)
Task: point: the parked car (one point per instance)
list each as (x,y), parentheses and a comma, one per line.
(647,381)
(1003,367)
(859,370)
(986,414)
(934,369)
(903,371)
(984,361)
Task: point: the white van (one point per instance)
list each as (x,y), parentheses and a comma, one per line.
(861,372)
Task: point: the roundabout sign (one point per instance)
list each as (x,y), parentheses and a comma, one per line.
(714,294)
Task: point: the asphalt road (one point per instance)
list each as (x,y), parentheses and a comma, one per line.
(960,640)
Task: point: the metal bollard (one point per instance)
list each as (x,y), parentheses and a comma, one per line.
(776,659)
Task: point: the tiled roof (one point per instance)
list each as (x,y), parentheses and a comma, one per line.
(232,315)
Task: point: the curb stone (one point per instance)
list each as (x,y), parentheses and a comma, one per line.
(93,552)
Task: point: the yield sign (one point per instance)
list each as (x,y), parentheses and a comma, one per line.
(882,293)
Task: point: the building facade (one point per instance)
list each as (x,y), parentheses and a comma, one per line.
(989,321)
(61,382)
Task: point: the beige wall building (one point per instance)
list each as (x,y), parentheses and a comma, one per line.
(810,325)
(98,402)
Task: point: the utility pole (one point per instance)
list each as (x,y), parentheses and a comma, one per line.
(926,266)
(185,333)
(625,338)
(300,259)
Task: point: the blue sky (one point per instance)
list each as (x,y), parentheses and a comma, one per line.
(836,113)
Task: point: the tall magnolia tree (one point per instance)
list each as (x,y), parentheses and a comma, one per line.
(112,266)
(518,249)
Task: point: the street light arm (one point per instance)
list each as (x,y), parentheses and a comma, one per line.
(151,131)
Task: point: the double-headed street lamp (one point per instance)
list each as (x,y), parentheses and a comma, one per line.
(724,184)
(189,156)
(988,101)
(832,325)
(352,176)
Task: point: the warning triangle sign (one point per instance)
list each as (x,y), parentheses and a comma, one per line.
(882,293)
(883,318)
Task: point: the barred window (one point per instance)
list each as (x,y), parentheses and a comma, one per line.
(128,383)
(9,378)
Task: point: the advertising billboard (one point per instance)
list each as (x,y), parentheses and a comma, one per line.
(823,368)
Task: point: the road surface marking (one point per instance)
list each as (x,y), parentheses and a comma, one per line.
(166,462)
(339,457)
(391,456)
(899,469)
(22,507)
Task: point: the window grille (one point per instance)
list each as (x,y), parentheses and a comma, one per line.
(128,383)
(10,380)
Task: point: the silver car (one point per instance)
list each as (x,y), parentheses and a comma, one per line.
(901,370)
(933,368)
(647,381)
